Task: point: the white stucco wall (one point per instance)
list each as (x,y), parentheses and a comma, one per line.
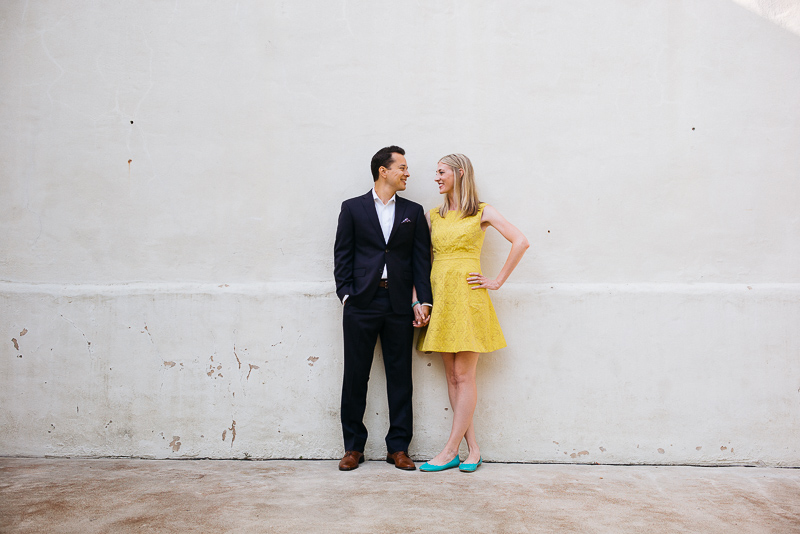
(171,175)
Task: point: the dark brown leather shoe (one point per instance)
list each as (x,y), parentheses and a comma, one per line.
(351,460)
(401,461)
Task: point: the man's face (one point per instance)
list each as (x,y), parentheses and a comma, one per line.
(397,173)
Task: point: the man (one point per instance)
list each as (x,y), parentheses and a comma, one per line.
(381,254)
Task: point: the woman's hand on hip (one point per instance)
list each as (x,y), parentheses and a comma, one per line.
(478,281)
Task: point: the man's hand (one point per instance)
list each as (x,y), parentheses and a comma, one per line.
(422,315)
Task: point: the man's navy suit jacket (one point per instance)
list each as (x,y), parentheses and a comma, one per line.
(360,252)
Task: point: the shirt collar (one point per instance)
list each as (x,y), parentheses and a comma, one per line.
(376,197)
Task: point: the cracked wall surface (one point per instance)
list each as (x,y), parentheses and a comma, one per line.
(171,175)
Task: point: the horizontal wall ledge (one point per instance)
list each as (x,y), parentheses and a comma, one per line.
(327,288)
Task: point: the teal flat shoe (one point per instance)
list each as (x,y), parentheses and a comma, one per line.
(470,468)
(449,465)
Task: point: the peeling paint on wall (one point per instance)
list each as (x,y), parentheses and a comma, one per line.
(251,370)
(233,432)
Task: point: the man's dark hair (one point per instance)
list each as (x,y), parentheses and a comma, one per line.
(383,158)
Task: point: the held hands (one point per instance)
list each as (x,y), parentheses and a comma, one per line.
(478,281)
(422,315)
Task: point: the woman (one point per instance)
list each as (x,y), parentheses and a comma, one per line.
(463,323)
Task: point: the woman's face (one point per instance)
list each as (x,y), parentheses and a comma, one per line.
(445,178)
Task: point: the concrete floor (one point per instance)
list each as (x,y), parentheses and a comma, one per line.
(67,495)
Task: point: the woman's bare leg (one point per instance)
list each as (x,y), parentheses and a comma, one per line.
(472,444)
(462,389)
(474,451)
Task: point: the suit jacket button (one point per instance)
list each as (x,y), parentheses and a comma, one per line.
(387,250)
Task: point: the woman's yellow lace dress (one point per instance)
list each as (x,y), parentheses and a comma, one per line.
(462,319)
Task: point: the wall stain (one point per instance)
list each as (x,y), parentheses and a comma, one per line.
(212,369)
(311,360)
(14,341)
(251,370)
(233,432)
(175,443)
(279,342)
(147,331)
(169,364)
(236,356)
(698,448)
(602,449)
(24,331)
(661,451)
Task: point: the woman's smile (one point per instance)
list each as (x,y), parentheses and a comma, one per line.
(444,178)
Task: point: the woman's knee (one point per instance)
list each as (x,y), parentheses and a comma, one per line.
(461,376)
(465,367)
(452,377)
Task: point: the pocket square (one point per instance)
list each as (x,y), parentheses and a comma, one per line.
(406,220)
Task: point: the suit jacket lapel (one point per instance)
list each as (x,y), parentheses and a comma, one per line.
(372,214)
(399,215)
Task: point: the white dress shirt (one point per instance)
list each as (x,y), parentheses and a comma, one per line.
(386,218)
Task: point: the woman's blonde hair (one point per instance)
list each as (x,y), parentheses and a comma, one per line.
(465,194)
